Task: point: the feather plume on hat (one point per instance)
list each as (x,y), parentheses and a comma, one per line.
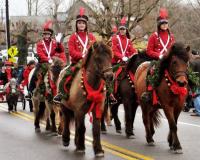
(163,16)
(47,27)
(123,23)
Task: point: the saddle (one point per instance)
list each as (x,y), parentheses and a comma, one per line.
(66,81)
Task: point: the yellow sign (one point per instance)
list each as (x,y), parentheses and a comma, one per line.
(12,59)
(13,51)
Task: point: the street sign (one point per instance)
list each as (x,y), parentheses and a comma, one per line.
(13,51)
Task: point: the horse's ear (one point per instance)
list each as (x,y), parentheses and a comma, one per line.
(187,48)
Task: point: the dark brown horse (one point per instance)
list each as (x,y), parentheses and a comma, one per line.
(171,93)
(125,94)
(87,94)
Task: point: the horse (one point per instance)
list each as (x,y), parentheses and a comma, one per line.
(87,94)
(125,94)
(12,94)
(43,94)
(50,81)
(169,93)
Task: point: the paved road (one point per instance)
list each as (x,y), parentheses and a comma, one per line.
(18,141)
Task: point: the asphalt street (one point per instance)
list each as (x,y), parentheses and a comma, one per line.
(18,140)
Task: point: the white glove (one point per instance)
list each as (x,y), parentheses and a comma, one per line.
(50,61)
(161,56)
(125,59)
(58,37)
(83,55)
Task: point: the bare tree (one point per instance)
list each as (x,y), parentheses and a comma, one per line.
(109,13)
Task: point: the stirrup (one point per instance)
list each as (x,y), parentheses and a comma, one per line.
(57,99)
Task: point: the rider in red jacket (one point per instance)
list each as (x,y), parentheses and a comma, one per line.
(122,49)
(158,45)
(121,44)
(160,41)
(47,49)
(78,44)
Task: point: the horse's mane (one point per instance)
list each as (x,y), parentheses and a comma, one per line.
(56,67)
(136,60)
(99,48)
(177,49)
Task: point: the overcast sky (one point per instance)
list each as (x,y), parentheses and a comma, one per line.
(19,7)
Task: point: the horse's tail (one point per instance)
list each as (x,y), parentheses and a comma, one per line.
(156,118)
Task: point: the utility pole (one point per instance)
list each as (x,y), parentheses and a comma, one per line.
(7,25)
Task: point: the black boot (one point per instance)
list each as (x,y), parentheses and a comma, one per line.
(57,98)
(113,100)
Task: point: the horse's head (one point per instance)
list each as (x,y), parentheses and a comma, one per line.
(56,67)
(100,56)
(177,60)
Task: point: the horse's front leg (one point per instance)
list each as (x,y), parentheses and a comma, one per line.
(80,132)
(103,126)
(129,117)
(36,104)
(53,121)
(67,115)
(114,112)
(173,137)
(97,136)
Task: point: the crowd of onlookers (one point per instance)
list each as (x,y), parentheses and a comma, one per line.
(8,71)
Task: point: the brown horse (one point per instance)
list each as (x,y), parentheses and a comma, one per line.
(43,94)
(171,93)
(125,94)
(87,94)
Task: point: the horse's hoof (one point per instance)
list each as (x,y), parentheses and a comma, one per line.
(119,131)
(80,151)
(130,136)
(51,134)
(178,151)
(37,130)
(171,147)
(99,154)
(151,144)
(65,144)
(104,132)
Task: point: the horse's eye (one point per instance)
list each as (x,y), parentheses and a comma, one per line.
(174,63)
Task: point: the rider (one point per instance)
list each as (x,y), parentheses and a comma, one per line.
(47,49)
(159,43)
(121,44)
(122,47)
(78,45)
(161,40)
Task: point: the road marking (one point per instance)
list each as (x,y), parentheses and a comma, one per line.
(179,122)
(113,149)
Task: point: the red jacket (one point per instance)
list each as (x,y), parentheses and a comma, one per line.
(57,50)
(154,47)
(8,71)
(75,46)
(117,52)
(26,73)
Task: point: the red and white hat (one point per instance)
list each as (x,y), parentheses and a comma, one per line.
(123,23)
(82,16)
(48,27)
(163,17)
